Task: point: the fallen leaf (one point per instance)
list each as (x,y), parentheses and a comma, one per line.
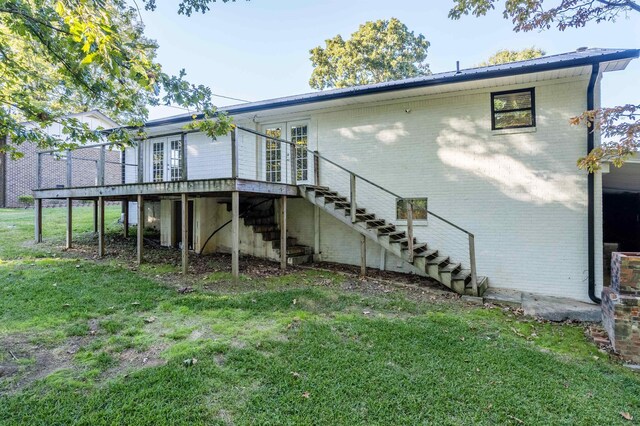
(626,415)
(295,374)
(150,320)
(306,394)
(189,362)
(366,312)
(295,301)
(135,303)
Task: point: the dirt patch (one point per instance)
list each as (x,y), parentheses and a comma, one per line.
(24,362)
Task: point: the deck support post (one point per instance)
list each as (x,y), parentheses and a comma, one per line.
(283,232)
(125,218)
(409,206)
(316,233)
(363,256)
(95,216)
(69,223)
(235,234)
(472,264)
(38,220)
(140,236)
(185,234)
(100,226)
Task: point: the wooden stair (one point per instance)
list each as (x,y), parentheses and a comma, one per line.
(427,261)
(262,221)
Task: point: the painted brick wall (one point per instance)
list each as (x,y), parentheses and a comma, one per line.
(519,192)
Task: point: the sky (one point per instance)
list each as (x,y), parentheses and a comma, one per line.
(259,49)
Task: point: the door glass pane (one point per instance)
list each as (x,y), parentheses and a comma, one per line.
(158,162)
(175,159)
(300,138)
(273,155)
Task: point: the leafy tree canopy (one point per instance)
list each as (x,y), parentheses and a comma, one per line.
(379,51)
(505,56)
(64,56)
(619,125)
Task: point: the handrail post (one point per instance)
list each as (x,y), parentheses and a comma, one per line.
(183,156)
(234,154)
(39,171)
(353,197)
(472,262)
(101,164)
(69,168)
(294,164)
(140,161)
(409,206)
(316,168)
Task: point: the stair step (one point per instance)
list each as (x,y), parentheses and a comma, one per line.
(276,243)
(427,253)
(450,268)
(358,210)
(416,247)
(316,188)
(259,221)
(325,194)
(374,223)
(397,235)
(385,229)
(463,275)
(438,260)
(266,228)
(298,250)
(335,199)
(299,259)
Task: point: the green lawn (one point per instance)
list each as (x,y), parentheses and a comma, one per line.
(97,342)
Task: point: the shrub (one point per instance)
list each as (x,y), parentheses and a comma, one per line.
(26,200)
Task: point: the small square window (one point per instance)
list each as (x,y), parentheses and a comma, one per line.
(419,208)
(513,109)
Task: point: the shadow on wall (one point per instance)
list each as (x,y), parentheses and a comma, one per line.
(500,161)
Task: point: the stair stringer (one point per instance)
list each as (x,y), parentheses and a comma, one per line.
(436,267)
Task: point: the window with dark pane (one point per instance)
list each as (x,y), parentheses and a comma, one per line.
(419,208)
(513,109)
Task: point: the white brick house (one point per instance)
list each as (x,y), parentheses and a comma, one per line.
(453,139)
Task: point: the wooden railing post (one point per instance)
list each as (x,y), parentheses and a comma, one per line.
(294,164)
(316,168)
(183,154)
(101,165)
(234,154)
(353,197)
(472,262)
(39,171)
(409,206)
(140,162)
(69,168)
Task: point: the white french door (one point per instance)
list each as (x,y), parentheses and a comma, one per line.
(277,155)
(166,159)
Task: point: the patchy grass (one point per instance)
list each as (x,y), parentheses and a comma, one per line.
(86,342)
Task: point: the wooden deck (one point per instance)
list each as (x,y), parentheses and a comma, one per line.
(130,191)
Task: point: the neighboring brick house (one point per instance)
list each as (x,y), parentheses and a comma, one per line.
(18,177)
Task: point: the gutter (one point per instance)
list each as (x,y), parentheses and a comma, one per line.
(595,70)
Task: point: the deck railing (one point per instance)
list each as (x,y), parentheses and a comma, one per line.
(85,166)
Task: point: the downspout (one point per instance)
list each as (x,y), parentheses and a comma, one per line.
(591,208)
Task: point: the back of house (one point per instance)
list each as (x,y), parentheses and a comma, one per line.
(468,176)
